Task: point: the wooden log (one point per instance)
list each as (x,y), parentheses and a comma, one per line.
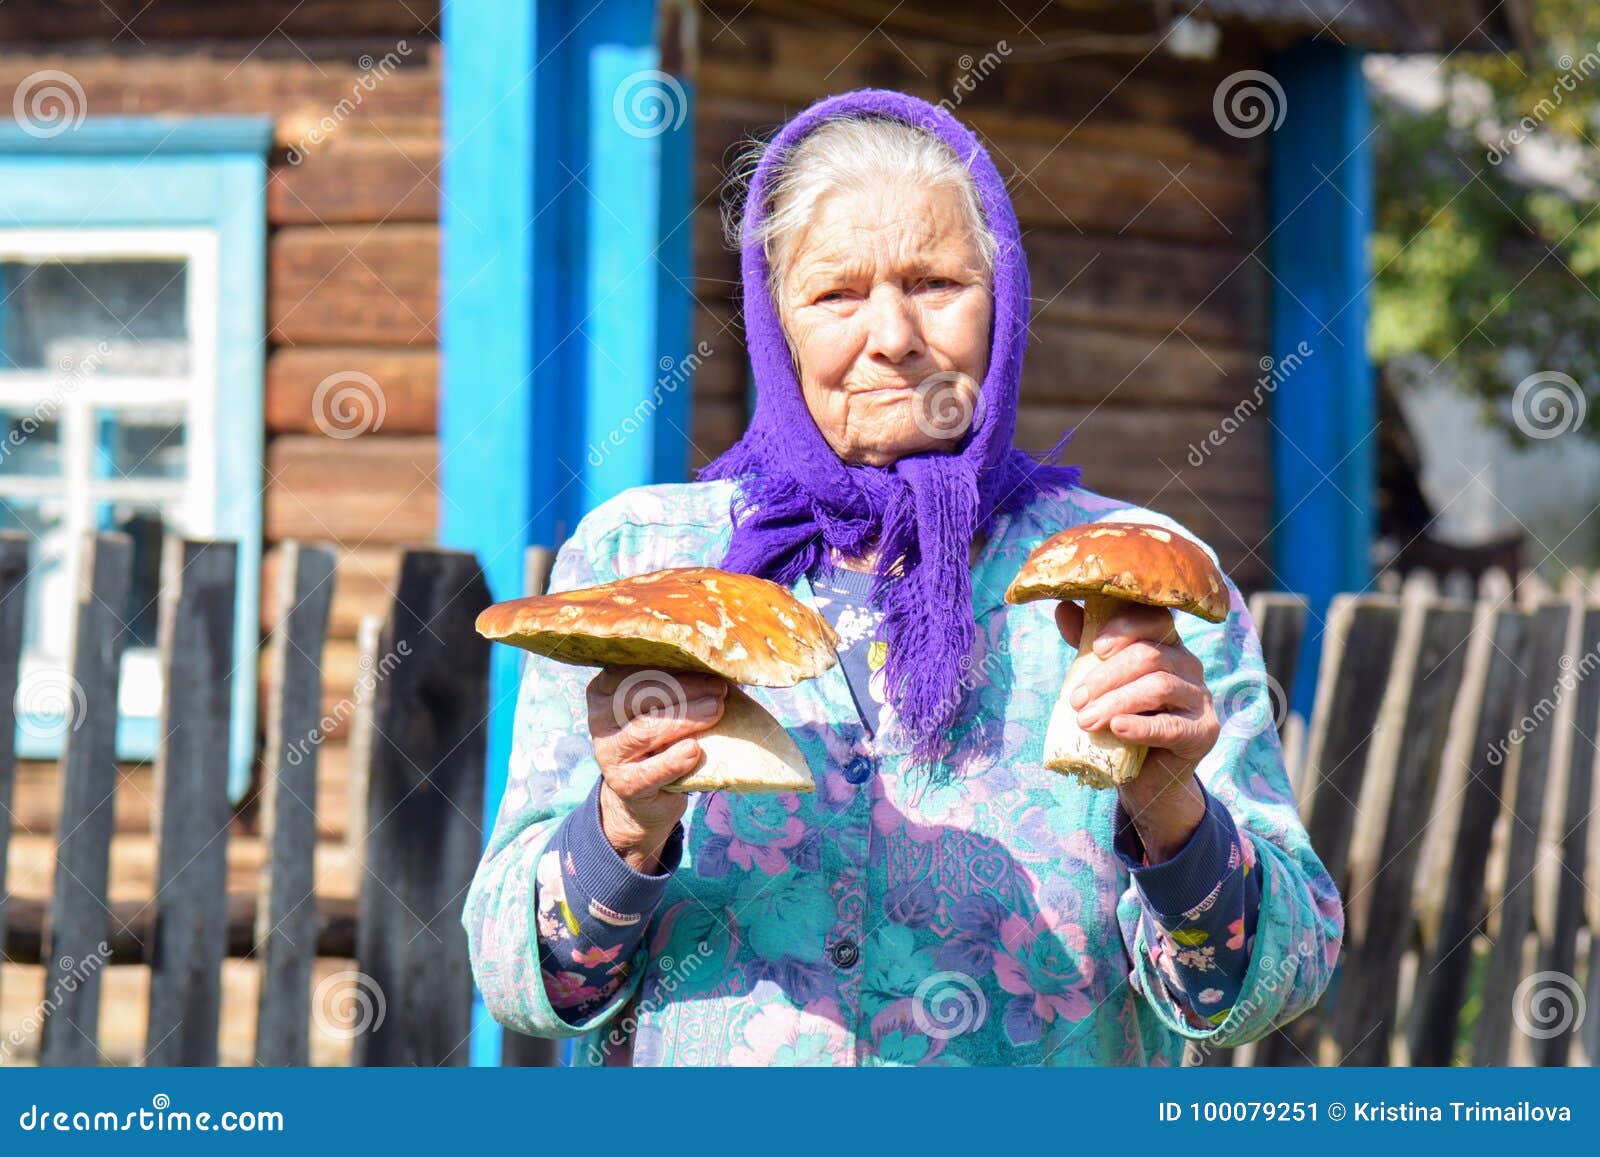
(88,783)
(332,391)
(286,929)
(425,791)
(1357,656)
(191,902)
(1492,1039)
(130,933)
(352,179)
(354,285)
(13,578)
(1444,968)
(28,21)
(362,492)
(1559,958)
(1365,1019)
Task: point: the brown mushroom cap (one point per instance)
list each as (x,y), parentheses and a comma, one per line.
(743,628)
(1126,560)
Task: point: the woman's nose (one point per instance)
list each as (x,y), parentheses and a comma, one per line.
(893,332)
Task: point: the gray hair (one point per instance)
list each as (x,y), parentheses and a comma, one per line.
(855,151)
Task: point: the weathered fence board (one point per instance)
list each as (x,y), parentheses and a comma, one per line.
(1281,622)
(88,786)
(1443,972)
(425,791)
(191,903)
(13,575)
(1366,1012)
(1507,967)
(287,913)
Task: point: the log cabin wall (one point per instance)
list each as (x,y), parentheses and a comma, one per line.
(1141,218)
(352,288)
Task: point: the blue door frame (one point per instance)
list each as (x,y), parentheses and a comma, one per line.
(566,249)
(1324,444)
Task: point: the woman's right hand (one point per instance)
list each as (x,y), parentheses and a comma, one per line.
(643,723)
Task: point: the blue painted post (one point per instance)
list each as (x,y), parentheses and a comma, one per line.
(1324,410)
(567,187)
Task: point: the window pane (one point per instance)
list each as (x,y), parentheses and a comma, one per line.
(58,312)
(30,441)
(145,525)
(49,594)
(139,444)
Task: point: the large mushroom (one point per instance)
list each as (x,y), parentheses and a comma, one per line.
(746,629)
(1107,565)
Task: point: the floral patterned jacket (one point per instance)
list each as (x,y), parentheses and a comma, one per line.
(963,904)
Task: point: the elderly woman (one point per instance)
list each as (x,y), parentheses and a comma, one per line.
(941,898)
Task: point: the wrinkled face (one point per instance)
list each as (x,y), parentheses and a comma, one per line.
(887,307)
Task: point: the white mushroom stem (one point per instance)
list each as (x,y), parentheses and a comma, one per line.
(1097,758)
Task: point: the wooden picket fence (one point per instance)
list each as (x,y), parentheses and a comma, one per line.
(1446,777)
(418,739)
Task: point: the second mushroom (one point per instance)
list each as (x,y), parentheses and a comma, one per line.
(1108,565)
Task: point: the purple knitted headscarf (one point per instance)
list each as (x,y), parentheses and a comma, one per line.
(796,497)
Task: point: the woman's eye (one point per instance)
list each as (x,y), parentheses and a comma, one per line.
(935,283)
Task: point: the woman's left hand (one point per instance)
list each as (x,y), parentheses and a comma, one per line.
(1149,689)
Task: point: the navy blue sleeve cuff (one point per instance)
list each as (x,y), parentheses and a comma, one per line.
(597,872)
(1173,887)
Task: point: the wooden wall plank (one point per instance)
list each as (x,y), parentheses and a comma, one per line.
(359,492)
(377,390)
(24,21)
(286,930)
(354,285)
(356,178)
(89,779)
(191,900)
(429,739)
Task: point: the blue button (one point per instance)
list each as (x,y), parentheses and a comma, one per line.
(858,770)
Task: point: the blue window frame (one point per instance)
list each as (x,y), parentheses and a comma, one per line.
(132,283)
